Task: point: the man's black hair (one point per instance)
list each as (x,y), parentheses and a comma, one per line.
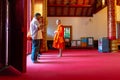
(37,14)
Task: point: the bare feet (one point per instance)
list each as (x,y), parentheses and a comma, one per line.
(59,55)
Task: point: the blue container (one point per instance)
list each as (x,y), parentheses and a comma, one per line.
(84,42)
(84,39)
(103,45)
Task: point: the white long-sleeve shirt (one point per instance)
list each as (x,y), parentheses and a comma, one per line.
(35,33)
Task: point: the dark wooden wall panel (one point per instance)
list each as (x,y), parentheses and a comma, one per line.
(2,32)
(17,43)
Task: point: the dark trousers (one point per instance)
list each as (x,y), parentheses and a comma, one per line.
(35,49)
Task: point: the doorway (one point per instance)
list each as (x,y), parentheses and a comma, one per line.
(37,6)
(33,7)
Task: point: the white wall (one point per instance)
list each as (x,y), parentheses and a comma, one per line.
(80,26)
(100,24)
(95,26)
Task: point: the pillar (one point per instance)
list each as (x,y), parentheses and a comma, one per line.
(112,25)
(45,25)
(112,19)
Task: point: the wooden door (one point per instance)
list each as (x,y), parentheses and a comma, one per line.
(17,34)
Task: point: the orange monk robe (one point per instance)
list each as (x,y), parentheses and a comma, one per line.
(58,41)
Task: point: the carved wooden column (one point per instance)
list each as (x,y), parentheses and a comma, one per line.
(45,25)
(112,24)
(112,19)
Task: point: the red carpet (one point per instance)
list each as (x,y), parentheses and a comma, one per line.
(74,65)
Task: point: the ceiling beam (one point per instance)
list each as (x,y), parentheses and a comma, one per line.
(69,8)
(55,8)
(62,8)
(76,8)
(84,2)
(88,8)
(82,12)
(63,5)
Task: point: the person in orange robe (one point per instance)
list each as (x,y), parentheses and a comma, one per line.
(58,41)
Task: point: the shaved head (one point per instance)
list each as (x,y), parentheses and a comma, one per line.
(58,21)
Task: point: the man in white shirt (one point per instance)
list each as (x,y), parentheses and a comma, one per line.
(36,33)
